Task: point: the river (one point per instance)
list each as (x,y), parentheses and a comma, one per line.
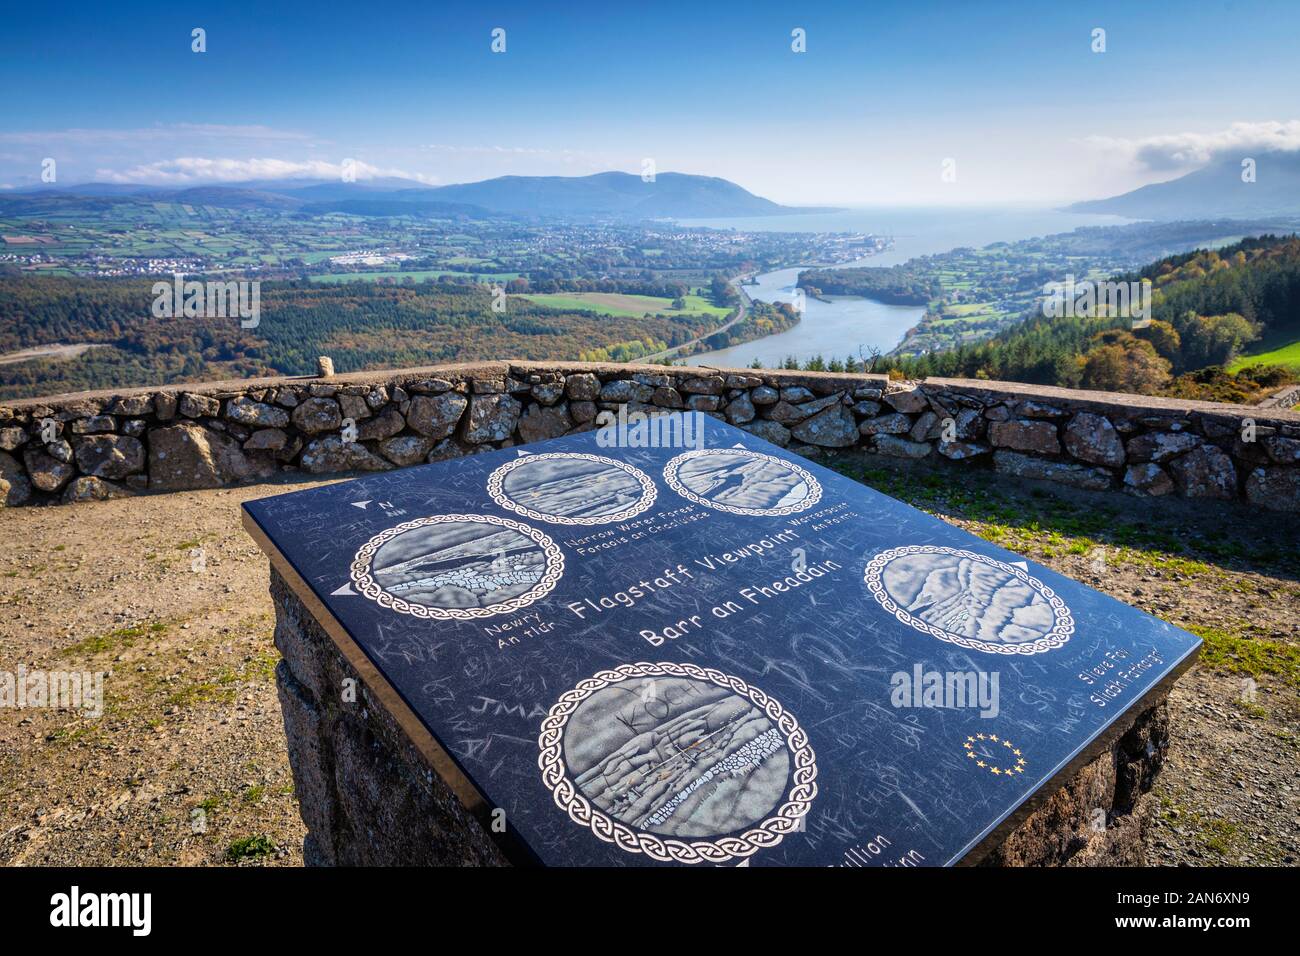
(848,325)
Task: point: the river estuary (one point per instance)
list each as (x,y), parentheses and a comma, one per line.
(847,325)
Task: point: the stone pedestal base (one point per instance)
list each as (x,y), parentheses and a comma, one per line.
(367,795)
(370,797)
(1101,815)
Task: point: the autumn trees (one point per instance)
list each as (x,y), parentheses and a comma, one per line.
(1208,307)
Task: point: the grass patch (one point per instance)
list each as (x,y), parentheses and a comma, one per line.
(1287,355)
(1040,521)
(1172,563)
(72,731)
(1238,653)
(1252,710)
(250,848)
(221,688)
(203,692)
(1215,834)
(262,666)
(210,805)
(119,639)
(624,304)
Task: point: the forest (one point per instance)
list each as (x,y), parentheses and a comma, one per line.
(360,325)
(897,285)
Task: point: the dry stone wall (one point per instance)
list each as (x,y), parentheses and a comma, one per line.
(101,445)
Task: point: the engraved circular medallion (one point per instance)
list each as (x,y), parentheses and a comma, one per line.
(679,762)
(457,567)
(572,488)
(742,482)
(969,599)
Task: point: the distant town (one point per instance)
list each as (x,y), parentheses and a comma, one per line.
(147,238)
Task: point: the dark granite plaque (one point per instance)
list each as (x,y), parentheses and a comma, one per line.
(725,654)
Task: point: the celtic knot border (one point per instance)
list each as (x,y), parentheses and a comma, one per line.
(1057,637)
(496,489)
(766,834)
(367,587)
(675,464)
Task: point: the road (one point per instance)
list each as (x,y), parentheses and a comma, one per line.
(741,311)
(56,351)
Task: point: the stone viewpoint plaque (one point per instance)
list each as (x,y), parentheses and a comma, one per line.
(720,653)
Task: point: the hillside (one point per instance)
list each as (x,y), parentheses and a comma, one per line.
(1216,190)
(970,295)
(1207,307)
(360,324)
(620,195)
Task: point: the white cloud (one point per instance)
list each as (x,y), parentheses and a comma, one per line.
(1177,151)
(198,170)
(163,132)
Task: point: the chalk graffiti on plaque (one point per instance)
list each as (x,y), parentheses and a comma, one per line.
(457,567)
(572,488)
(969,599)
(742,482)
(679,762)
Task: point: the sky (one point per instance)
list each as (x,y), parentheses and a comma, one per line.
(908,103)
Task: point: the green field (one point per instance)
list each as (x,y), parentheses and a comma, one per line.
(966,308)
(1288,355)
(627,306)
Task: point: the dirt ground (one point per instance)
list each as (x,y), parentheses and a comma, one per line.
(187,765)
